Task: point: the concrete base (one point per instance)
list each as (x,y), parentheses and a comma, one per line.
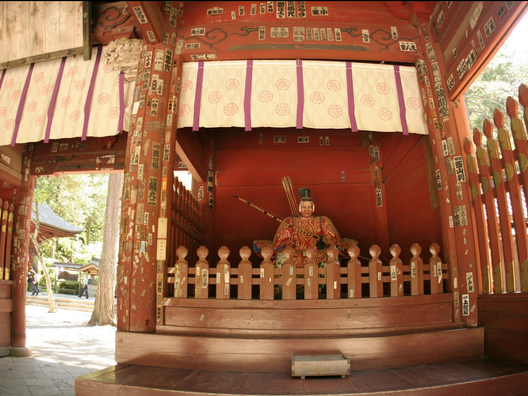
(20,352)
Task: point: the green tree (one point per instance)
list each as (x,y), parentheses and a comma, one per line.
(500,79)
(80,199)
(92,202)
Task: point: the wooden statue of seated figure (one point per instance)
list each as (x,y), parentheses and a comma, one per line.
(301,232)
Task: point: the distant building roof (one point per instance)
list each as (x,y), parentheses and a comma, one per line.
(49,218)
(67,265)
(95,261)
(93,265)
(92,268)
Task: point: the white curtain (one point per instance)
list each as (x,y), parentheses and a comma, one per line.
(55,108)
(282,94)
(276,98)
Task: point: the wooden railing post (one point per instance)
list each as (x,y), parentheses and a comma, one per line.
(223,275)
(417,282)
(503,206)
(267,287)
(521,151)
(491,215)
(185,224)
(201,287)
(311,275)
(435,270)
(354,273)
(375,272)
(289,276)
(333,275)
(180,273)
(396,272)
(514,189)
(480,219)
(244,275)
(519,133)
(312,278)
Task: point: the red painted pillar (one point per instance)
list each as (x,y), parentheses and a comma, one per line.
(446,132)
(147,190)
(23,208)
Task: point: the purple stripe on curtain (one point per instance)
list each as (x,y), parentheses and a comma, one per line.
(300,95)
(90,93)
(401,100)
(350,94)
(198,97)
(121,101)
(21,105)
(54,100)
(247,97)
(2,78)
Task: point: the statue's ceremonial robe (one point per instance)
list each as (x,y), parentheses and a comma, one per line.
(303,232)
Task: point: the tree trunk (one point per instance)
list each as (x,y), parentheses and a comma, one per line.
(33,237)
(103,313)
(89,230)
(51,300)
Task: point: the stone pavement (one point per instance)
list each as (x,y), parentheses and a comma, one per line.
(63,347)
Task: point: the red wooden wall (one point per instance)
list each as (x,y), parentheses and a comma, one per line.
(504,316)
(413,211)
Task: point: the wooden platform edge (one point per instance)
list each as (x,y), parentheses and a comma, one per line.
(274,355)
(99,383)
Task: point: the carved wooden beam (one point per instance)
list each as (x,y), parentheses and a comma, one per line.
(150,20)
(75,156)
(10,175)
(41,58)
(112,21)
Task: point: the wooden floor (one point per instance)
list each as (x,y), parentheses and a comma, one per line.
(478,377)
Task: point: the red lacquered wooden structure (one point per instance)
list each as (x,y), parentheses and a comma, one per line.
(434,298)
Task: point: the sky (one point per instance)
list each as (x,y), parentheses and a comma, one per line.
(517,40)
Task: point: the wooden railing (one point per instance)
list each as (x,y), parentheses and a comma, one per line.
(498,180)
(6,239)
(185,221)
(311,282)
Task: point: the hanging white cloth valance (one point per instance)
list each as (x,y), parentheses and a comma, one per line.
(63,98)
(309,94)
(72,98)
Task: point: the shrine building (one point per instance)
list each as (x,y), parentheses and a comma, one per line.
(423,287)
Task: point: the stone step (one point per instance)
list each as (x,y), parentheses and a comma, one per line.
(62,303)
(69,303)
(61,306)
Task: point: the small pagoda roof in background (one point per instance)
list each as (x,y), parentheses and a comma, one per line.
(49,219)
(51,226)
